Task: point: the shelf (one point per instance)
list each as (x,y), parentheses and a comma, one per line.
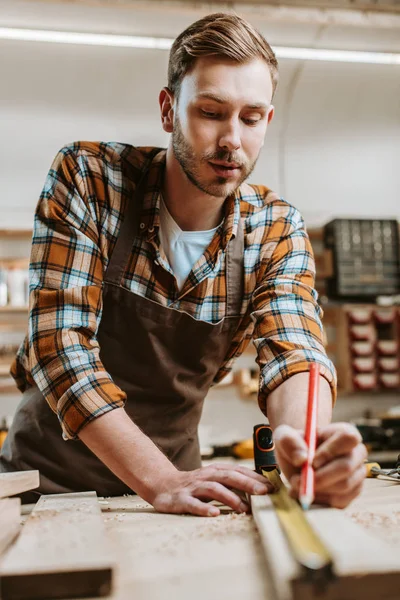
(14,263)
(19,309)
(16,233)
(9,389)
(8,385)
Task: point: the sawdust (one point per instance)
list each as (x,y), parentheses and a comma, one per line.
(385,526)
(227,525)
(222,530)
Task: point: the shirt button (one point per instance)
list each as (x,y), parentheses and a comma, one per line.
(142,225)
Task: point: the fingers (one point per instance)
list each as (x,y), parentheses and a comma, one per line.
(199,508)
(337,439)
(341,469)
(211,490)
(290,445)
(338,482)
(343,499)
(240,480)
(183,503)
(239,469)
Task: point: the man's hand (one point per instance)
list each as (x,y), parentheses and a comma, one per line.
(338,462)
(189,491)
(137,461)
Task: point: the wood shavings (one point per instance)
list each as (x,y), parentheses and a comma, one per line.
(385,525)
(227,525)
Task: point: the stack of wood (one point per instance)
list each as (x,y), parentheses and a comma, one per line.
(60,552)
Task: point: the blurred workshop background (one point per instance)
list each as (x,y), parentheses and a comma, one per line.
(332,150)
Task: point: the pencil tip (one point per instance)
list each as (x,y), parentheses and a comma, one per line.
(305,502)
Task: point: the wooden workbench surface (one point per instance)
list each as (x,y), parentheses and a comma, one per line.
(192,558)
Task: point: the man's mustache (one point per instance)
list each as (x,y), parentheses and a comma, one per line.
(224,156)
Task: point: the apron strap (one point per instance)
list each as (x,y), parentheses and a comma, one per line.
(235,272)
(129,228)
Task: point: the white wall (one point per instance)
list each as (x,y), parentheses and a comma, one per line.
(332,149)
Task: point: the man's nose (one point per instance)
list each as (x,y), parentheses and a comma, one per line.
(230,135)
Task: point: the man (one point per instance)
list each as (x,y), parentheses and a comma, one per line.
(150,272)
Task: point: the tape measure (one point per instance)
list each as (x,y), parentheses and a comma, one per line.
(307,548)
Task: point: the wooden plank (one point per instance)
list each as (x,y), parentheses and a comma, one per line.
(10,521)
(18,482)
(366,567)
(62,552)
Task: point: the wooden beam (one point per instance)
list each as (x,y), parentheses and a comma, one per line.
(366,567)
(324,12)
(10,521)
(62,552)
(18,482)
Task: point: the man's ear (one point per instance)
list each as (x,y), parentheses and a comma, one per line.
(271,112)
(166,100)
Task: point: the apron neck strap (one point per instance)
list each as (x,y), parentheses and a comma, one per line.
(129,228)
(235,272)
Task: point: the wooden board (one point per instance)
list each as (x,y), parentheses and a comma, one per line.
(18,482)
(62,552)
(165,557)
(366,567)
(10,521)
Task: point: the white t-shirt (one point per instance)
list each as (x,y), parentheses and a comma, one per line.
(182,248)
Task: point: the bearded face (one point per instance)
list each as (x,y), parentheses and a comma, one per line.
(220,118)
(198,166)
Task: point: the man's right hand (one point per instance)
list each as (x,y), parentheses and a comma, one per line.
(190,491)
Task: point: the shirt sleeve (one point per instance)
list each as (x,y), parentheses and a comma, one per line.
(66,273)
(288,332)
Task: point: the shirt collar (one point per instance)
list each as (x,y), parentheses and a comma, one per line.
(150,213)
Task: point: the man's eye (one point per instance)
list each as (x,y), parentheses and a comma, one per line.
(251,121)
(209,115)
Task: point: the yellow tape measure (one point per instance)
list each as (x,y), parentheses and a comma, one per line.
(307,548)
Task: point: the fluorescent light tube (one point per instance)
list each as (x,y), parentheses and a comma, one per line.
(135,41)
(351,56)
(90,39)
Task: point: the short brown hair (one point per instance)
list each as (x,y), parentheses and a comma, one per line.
(219,34)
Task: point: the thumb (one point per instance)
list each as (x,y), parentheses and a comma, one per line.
(290,445)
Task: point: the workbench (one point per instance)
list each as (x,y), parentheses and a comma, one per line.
(178,557)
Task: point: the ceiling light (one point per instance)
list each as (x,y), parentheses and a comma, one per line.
(158,43)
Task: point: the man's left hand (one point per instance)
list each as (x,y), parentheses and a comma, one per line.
(338,462)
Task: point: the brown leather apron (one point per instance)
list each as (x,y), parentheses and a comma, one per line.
(165,361)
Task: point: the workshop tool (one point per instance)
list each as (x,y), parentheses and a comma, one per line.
(305,544)
(374,470)
(241,450)
(307,476)
(264,446)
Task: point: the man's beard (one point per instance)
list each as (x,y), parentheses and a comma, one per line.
(190,163)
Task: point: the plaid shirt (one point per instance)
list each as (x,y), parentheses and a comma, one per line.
(77,221)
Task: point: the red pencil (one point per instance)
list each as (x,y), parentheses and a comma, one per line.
(306,495)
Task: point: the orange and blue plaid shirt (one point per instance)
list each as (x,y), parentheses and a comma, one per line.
(77,221)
